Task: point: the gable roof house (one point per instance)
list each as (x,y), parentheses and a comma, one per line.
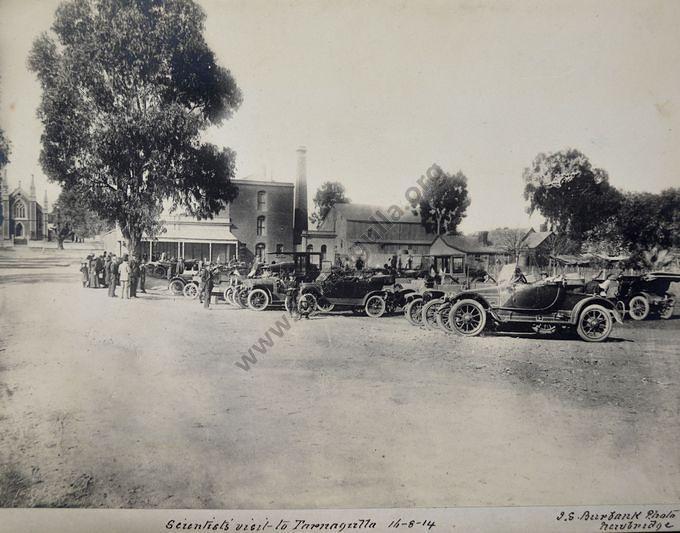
(375,232)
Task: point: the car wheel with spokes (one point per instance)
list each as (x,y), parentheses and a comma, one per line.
(190,291)
(375,306)
(258,299)
(177,287)
(429,313)
(666,312)
(241,298)
(638,308)
(306,303)
(324,305)
(595,323)
(467,318)
(413,311)
(227,295)
(442,316)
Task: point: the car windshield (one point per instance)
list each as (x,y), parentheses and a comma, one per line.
(507,274)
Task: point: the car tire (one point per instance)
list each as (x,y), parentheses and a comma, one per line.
(306,303)
(667,312)
(595,323)
(190,291)
(258,300)
(429,314)
(324,306)
(375,306)
(443,317)
(414,312)
(176,286)
(227,295)
(241,298)
(467,318)
(638,308)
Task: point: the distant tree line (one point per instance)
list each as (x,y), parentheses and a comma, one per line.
(579,203)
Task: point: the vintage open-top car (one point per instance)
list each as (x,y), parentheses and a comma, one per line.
(546,306)
(267,286)
(640,296)
(372,292)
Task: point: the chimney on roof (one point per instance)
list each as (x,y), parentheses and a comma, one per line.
(544,227)
(300,196)
(484,238)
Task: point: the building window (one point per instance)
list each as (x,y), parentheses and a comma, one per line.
(261,200)
(19,210)
(279,248)
(259,252)
(260,226)
(310,247)
(323,251)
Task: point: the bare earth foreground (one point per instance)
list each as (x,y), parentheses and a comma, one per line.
(139,403)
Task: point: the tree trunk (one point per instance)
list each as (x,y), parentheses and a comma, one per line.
(134,243)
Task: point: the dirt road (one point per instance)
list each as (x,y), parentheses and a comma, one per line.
(114,403)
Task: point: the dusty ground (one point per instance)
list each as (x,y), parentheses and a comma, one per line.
(139,403)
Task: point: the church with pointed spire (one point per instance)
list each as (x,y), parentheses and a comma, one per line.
(23,218)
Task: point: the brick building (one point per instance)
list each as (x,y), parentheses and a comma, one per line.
(260,220)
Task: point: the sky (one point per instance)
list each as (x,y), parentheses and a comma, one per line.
(378,91)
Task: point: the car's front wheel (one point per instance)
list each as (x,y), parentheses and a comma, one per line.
(638,308)
(443,316)
(258,300)
(467,318)
(429,313)
(375,306)
(190,291)
(241,298)
(177,287)
(227,295)
(414,311)
(595,323)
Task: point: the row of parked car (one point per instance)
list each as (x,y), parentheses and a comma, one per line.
(548,306)
(510,303)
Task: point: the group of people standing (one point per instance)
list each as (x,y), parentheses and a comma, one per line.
(110,271)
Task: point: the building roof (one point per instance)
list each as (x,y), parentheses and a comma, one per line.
(535,238)
(469,245)
(364,213)
(262,183)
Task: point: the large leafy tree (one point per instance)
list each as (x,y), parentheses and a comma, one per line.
(569,192)
(443,201)
(127,88)
(329,194)
(70,216)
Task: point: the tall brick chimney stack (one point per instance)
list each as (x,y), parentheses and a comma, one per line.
(300,202)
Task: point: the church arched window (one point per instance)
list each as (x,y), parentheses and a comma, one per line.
(19,209)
